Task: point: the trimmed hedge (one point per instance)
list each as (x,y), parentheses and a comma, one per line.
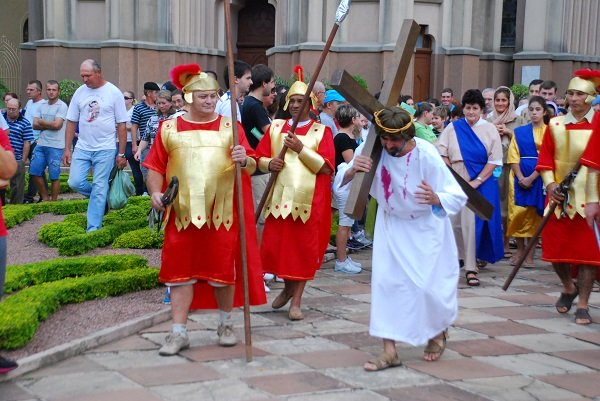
(82,243)
(144,238)
(21,314)
(50,233)
(30,274)
(16,214)
(79,219)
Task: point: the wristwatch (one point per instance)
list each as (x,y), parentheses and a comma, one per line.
(479,178)
(121,155)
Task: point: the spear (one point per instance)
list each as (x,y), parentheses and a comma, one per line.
(238,183)
(340,15)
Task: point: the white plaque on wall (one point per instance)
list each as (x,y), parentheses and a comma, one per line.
(529,73)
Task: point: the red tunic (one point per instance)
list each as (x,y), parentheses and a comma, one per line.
(566,240)
(290,248)
(5,143)
(207,253)
(591,155)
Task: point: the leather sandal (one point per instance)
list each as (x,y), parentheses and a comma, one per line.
(472,280)
(382,362)
(582,316)
(565,301)
(281,300)
(295,313)
(433,347)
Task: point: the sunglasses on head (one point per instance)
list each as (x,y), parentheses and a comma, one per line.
(127,98)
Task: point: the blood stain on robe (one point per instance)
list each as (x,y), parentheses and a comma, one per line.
(386,180)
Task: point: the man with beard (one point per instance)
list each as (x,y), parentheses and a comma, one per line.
(415,259)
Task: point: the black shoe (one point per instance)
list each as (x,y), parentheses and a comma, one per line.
(354,245)
(6,365)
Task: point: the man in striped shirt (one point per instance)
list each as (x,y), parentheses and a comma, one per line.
(21,137)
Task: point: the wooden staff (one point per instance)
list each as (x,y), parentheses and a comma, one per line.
(238,183)
(341,13)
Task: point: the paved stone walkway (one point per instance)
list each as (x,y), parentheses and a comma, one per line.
(505,346)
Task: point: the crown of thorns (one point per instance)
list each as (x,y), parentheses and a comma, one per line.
(390,130)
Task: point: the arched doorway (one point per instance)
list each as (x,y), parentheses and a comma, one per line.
(422,67)
(256,31)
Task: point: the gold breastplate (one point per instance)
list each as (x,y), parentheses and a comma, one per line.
(201,160)
(294,188)
(568,148)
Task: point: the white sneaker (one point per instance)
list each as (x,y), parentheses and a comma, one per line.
(346,267)
(226,335)
(354,262)
(361,237)
(267,289)
(173,344)
(268,276)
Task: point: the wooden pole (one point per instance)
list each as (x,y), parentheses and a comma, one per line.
(238,183)
(342,11)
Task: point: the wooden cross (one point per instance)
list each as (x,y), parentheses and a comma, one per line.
(364,102)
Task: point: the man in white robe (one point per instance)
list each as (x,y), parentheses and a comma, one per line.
(415,261)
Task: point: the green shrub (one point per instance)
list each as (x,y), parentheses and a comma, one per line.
(129,212)
(67,89)
(79,219)
(141,201)
(520,91)
(21,314)
(50,233)
(82,243)
(30,274)
(16,214)
(62,207)
(144,238)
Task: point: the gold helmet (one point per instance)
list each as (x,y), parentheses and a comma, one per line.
(190,78)
(586,81)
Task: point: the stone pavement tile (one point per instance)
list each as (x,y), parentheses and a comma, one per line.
(495,329)
(10,391)
(458,369)
(260,366)
(120,395)
(344,395)
(78,384)
(130,343)
(216,352)
(475,316)
(280,317)
(133,359)
(274,333)
(359,317)
(298,345)
(217,390)
(366,298)
(76,364)
(515,388)
(165,327)
(485,347)
(552,342)
(341,308)
(332,359)
(483,302)
(329,301)
(564,324)
(436,392)
(589,337)
(348,289)
(456,333)
(197,338)
(395,377)
(521,312)
(171,374)
(589,358)
(211,320)
(488,292)
(585,384)
(529,299)
(355,340)
(536,288)
(295,383)
(331,326)
(534,364)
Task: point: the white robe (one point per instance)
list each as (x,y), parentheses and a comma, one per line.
(415,261)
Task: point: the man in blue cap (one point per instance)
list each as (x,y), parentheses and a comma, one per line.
(330,104)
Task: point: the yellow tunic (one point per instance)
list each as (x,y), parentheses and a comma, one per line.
(522,221)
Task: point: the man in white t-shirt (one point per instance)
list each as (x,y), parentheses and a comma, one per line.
(98,106)
(243,79)
(50,120)
(34,92)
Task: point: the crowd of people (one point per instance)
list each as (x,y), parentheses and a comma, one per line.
(513,153)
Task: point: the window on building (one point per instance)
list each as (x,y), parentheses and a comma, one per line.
(509,23)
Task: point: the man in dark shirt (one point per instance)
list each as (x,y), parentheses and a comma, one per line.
(255,118)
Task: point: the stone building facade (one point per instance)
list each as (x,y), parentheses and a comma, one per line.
(463,43)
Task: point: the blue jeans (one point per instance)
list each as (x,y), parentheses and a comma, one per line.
(138,178)
(102,162)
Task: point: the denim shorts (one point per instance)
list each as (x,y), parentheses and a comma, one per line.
(45,156)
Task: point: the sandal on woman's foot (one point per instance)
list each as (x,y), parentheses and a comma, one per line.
(472,280)
(433,347)
(582,316)
(382,362)
(281,300)
(565,302)
(295,313)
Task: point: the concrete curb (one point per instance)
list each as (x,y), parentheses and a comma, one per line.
(80,345)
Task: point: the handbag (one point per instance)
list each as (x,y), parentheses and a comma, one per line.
(120,188)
